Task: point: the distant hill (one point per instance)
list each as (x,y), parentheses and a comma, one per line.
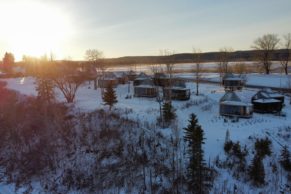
(248,55)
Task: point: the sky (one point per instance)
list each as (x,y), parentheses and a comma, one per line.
(119,28)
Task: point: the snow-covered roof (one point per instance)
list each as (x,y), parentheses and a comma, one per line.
(142,75)
(235,103)
(267,93)
(271,100)
(177,88)
(144,86)
(230,96)
(230,76)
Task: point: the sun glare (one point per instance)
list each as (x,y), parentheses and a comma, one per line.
(34,29)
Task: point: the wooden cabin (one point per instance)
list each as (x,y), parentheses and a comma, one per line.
(232,82)
(267,101)
(131,75)
(141,78)
(177,92)
(108,78)
(164,80)
(161,79)
(145,88)
(231,105)
(122,77)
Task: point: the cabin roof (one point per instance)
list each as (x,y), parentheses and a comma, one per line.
(267,93)
(120,74)
(144,86)
(230,76)
(177,88)
(235,103)
(271,100)
(230,96)
(142,76)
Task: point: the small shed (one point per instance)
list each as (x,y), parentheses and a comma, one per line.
(177,92)
(231,105)
(146,88)
(106,79)
(232,82)
(141,78)
(268,101)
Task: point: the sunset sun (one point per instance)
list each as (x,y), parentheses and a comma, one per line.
(34,29)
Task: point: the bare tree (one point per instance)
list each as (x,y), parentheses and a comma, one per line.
(169,62)
(95,57)
(156,68)
(67,81)
(285,56)
(240,68)
(197,61)
(265,46)
(68,85)
(223,60)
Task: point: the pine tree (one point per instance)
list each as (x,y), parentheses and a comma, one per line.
(109,96)
(262,147)
(45,90)
(257,171)
(7,62)
(198,173)
(168,112)
(285,159)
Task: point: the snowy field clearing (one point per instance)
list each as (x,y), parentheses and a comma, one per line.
(205,106)
(147,109)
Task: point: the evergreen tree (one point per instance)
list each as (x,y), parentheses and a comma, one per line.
(45,90)
(262,147)
(285,159)
(168,112)
(109,96)
(257,171)
(197,170)
(7,62)
(228,145)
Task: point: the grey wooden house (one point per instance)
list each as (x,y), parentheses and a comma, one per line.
(145,88)
(177,92)
(232,82)
(231,105)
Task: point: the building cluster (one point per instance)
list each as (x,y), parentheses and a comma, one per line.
(167,87)
(264,101)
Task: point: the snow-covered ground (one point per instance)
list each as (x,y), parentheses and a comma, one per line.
(205,106)
(186,66)
(88,99)
(273,80)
